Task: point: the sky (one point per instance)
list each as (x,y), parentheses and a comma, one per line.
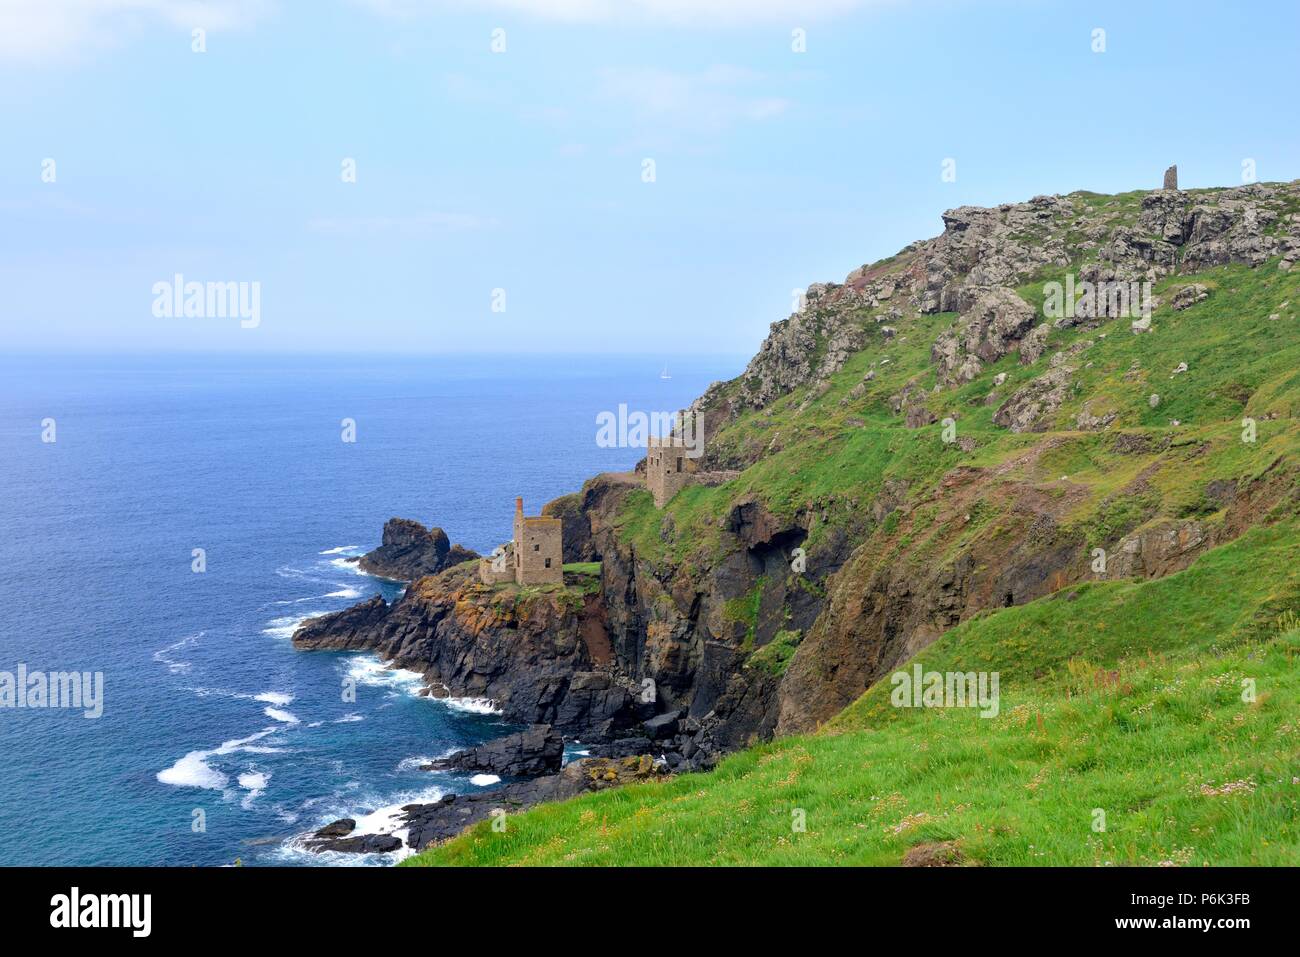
(564,176)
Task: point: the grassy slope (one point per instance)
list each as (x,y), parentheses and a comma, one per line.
(839,451)
(1136,709)
(1020,788)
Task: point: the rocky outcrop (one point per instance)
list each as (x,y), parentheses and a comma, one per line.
(1034,344)
(340,828)
(575,527)
(1165,546)
(994,325)
(1002,247)
(535,751)
(428,824)
(660,653)
(338,837)
(1189,295)
(522,651)
(1031,405)
(788,357)
(410,551)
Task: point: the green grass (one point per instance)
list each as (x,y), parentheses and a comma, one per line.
(774,657)
(1121,697)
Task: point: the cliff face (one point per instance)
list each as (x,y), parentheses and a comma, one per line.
(541,656)
(922,443)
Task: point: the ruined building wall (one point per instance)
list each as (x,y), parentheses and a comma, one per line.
(668,469)
(488,575)
(538,549)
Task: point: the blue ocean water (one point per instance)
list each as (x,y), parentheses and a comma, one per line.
(209,716)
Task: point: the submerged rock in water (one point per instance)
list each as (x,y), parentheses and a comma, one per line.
(364,844)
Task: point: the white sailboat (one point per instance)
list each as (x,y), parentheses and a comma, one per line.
(664,374)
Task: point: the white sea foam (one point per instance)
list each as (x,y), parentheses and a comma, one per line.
(417,762)
(385,819)
(370,671)
(344,593)
(286,626)
(281,715)
(169,655)
(254,782)
(194,771)
(348,718)
(344,550)
(274,697)
(472,705)
(347,564)
(413,763)
(483,780)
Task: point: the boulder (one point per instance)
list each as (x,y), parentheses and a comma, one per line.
(1189,296)
(538,750)
(340,828)
(361,844)
(662,725)
(1034,345)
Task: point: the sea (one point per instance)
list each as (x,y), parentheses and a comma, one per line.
(167,521)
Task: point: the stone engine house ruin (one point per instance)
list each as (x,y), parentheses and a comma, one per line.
(535,556)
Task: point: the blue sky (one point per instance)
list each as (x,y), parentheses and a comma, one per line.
(522,170)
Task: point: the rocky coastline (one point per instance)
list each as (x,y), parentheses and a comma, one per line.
(674,654)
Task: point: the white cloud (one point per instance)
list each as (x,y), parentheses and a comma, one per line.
(711,100)
(42,30)
(676,12)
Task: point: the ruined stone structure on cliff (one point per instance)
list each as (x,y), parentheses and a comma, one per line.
(535,556)
(668,468)
(1171,177)
(671,465)
(499,567)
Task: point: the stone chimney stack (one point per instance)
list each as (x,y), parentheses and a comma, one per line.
(1171,177)
(519,505)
